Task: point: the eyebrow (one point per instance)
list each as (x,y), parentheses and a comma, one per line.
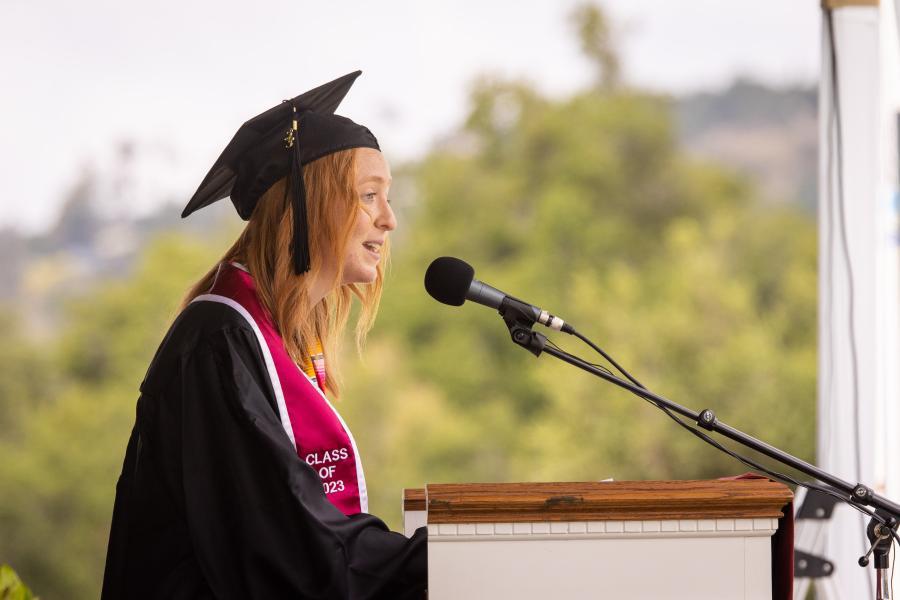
(377,178)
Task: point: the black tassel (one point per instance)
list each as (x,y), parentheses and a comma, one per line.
(297,189)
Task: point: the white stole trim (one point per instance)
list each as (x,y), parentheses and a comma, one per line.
(267,356)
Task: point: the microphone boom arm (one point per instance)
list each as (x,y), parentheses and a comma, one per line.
(519,322)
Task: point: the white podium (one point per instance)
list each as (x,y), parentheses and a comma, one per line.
(627,539)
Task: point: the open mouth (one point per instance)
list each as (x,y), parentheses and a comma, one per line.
(373,247)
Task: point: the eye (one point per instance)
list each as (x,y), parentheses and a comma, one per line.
(369,196)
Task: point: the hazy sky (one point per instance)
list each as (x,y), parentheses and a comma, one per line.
(180,77)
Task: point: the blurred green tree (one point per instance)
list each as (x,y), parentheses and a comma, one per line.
(28,379)
(64,453)
(585,205)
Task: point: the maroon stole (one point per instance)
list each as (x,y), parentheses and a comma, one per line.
(312,424)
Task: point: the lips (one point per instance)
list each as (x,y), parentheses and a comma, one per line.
(374,248)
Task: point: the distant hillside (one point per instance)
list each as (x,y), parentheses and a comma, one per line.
(768,134)
(41,272)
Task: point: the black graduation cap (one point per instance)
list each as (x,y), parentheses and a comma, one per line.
(277,143)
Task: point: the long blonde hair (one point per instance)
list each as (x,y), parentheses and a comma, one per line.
(264,248)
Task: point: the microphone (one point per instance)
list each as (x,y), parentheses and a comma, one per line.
(452,281)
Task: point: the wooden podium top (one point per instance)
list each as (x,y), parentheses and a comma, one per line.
(599,501)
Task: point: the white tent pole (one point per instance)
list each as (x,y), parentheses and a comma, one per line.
(859,417)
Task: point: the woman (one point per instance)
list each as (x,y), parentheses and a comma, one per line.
(240,478)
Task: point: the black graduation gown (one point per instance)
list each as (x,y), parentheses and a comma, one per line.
(213,501)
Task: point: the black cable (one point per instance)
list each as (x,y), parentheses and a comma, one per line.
(749,462)
(732,453)
(771,472)
(609,358)
(845,243)
(893,550)
(759,467)
(829,272)
(601,367)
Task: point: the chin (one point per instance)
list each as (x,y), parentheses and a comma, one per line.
(361,276)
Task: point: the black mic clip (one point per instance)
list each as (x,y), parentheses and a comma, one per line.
(519,318)
(880,535)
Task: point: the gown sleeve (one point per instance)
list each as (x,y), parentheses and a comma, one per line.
(256,514)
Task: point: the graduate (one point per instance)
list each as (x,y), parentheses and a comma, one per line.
(240,479)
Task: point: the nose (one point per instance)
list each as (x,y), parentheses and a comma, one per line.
(385,218)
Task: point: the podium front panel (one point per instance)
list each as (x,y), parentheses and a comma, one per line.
(638,540)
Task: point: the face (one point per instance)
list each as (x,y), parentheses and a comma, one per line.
(374,218)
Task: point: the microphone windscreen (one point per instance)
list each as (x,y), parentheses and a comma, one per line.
(447,279)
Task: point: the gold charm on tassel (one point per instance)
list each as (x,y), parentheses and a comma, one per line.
(291,133)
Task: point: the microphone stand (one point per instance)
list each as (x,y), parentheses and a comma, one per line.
(519,319)
(880,537)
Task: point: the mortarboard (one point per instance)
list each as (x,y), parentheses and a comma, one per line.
(276,144)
